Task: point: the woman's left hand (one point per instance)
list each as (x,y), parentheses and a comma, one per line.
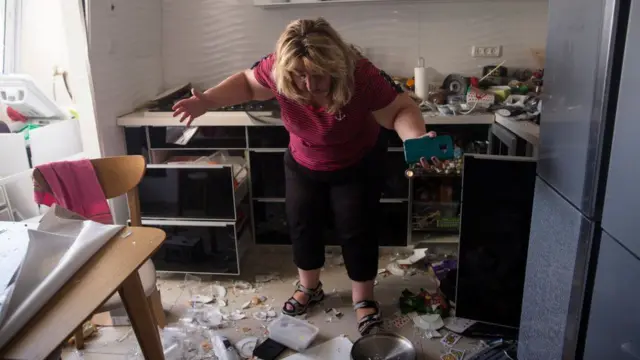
(434,160)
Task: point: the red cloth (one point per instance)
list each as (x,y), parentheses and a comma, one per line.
(323,141)
(74,186)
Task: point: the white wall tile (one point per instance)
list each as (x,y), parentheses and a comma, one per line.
(125,53)
(206,40)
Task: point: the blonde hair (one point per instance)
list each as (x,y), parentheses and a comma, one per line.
(323,52)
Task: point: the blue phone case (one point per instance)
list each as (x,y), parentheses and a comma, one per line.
(425,147)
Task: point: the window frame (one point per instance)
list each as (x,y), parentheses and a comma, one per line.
(12,23)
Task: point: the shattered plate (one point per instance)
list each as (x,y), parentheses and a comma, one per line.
(246,346)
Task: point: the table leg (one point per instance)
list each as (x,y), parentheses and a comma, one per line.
(142,321)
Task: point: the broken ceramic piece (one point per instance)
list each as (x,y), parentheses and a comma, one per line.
(395,269)
(418,254)
(219,291)
(246,346)
(428,322)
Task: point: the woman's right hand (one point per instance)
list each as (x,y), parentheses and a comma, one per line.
(191,108)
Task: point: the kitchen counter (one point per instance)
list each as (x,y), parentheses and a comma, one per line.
(527,130)
(230,118)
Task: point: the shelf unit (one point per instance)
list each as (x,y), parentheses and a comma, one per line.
(211,219)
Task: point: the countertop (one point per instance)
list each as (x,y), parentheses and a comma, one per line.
(527,130)
(229,118)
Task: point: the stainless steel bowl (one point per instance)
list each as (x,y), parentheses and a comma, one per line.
(383,346)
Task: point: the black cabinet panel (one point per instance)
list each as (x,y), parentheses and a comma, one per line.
(396,184)
(136,139)
(271,224)
(393,224)
(614,322)
(207,137)
(267,174)
(268,137)
(187,192)
(197,248)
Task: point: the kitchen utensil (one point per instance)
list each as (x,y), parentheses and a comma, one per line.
(383,346)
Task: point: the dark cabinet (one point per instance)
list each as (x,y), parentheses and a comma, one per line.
(271,224)
(206,137)
(274,137)
(190,192)
(396,185)
(201,246)
(267,174)
(504,142)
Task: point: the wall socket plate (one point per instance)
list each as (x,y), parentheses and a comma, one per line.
(486,51)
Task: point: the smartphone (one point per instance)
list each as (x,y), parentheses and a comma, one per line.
(440,147)
(268,350)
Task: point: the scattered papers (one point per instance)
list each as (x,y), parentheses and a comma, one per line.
(47,258)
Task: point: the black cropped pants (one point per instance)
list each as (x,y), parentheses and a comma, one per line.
(351,196)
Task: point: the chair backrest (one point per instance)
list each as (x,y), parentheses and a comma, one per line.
(118,175)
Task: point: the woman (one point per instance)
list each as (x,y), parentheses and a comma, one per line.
(333,102)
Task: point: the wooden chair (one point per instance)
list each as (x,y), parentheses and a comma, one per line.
(121,175)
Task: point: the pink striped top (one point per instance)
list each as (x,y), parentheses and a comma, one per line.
(323,141)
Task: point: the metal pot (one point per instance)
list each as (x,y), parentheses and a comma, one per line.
(383,346)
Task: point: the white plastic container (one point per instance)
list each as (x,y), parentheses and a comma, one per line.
(293,333)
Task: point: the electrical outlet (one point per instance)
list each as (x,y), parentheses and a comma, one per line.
(486,51)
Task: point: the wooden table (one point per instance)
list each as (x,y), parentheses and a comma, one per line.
(113,268)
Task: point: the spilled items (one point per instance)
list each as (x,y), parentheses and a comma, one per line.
(423,303)
(457,353)
(243,287)
(234,316)
(418,254)
(293,333)
(265,315)
(223,349)
(430,324)
(333,313)
(450,339)
(395,269)
(441,268)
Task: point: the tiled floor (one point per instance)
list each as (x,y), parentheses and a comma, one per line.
(120,343)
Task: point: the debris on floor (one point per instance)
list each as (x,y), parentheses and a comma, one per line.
(274,276)
(418,255)
(423,303)
(243,287)
(246,346)
(88,331)
(429,324)
(333,314)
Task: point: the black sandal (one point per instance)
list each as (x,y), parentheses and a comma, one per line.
(315,296)
(371,321)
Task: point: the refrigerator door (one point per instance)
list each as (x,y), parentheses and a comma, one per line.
(555,275)
(578,60)
(622,200)
(614,323)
